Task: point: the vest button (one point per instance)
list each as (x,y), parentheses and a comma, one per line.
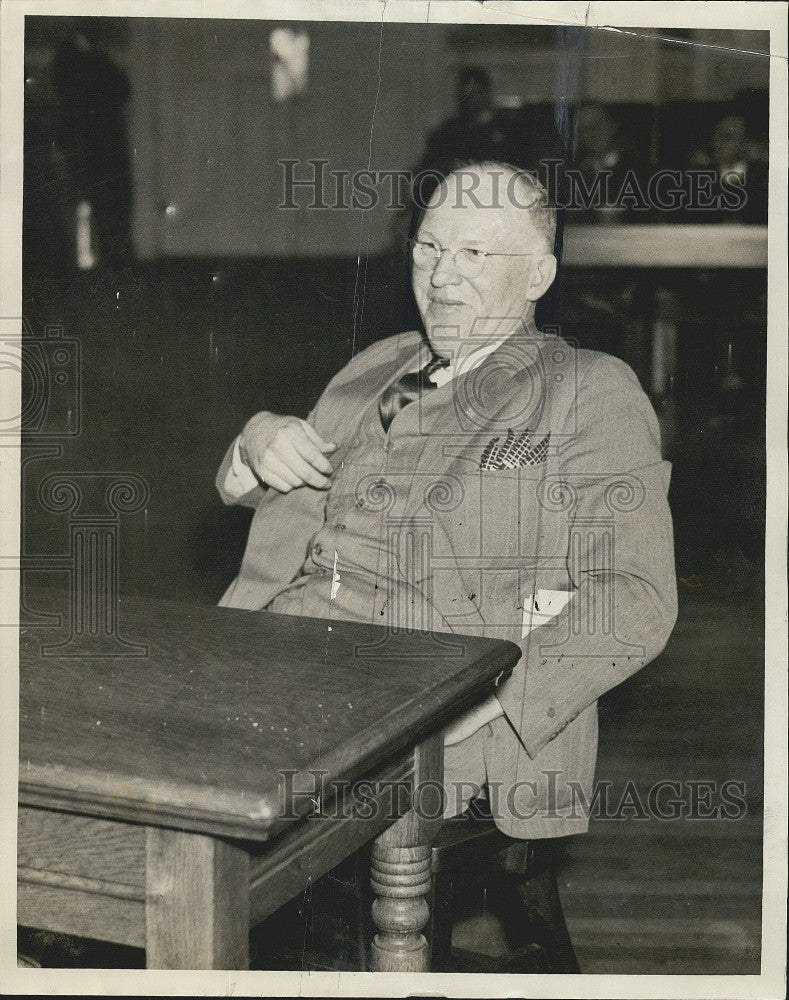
(317,549)
(339,527)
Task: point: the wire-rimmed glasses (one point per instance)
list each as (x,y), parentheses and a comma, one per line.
(468,261)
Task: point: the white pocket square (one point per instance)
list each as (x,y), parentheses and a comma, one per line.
(542,606)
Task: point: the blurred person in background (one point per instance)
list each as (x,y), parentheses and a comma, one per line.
(91,146)
(736,151)
(607,164)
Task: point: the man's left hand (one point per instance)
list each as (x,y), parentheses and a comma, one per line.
(473,720)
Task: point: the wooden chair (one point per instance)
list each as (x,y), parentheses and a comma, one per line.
(473,859)
(518,879)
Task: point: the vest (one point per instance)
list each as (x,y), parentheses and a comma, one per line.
(366,563)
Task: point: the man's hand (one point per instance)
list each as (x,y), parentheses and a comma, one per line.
(286,452)
(473,720)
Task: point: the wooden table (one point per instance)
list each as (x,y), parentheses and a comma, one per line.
(155,791)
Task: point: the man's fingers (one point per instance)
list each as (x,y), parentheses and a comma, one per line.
(278,484)
(314,436)
(286,452)
(275,468)
(302,469)
(312,454)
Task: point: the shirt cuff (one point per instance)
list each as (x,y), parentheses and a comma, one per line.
(240,479)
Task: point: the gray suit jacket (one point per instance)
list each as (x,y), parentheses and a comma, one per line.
(540,472)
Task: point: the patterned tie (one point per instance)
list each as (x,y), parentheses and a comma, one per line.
(406,389)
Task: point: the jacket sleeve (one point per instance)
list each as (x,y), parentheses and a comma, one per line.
(612,490)
(250,498)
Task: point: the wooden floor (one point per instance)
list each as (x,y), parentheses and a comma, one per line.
(679,896)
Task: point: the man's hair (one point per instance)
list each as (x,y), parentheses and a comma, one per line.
(530,195)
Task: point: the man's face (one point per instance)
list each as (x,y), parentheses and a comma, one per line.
(461,313)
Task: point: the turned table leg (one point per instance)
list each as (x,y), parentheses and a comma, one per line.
(401,871)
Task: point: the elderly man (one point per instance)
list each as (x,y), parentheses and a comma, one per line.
(479,477)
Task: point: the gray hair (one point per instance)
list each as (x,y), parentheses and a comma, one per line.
(525,192)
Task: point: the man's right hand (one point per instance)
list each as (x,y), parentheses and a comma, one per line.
(286,452)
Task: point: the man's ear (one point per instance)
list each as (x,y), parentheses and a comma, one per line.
(541,276)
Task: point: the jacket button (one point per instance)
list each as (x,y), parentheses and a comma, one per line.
(551,713)
(339,527)
(317,549)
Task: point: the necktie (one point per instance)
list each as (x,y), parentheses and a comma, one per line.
(406,389)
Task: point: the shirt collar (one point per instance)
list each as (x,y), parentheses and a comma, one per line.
(444,375)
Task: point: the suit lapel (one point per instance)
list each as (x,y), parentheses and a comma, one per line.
(352,400)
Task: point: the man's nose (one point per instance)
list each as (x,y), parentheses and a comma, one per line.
(445,272)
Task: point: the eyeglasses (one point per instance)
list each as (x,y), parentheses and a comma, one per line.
(468,261)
